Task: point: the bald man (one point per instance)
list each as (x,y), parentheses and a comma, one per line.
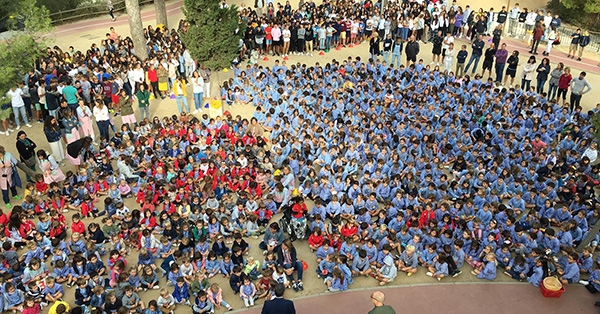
(378,298)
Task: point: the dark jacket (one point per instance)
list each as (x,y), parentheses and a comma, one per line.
(292,254)
(412,49)
(278,306)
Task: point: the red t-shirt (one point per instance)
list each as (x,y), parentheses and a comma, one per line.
(268,35)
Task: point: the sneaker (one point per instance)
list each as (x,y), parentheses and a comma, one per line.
(155,287)
(583,282)
(117,114)
(408,274)
(456,273)
(439,279)
(300,286)
(295,286)
(578,59)
(145,289)
(40,121)
(7,133)
(65,210)
(430,274)
(18,127)
(17,197)
(28,125)
(473,273)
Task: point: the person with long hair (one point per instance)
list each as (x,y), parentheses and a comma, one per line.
(527,76)
(53,135)
(287,257)
(538,32)
(554,78)
(50,167)
(78,150)
(7,161)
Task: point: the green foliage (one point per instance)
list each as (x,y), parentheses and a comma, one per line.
(17,55)
(596,124)
(211,34)
(582,13)
(61,5)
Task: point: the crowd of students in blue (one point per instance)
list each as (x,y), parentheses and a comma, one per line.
(405,169)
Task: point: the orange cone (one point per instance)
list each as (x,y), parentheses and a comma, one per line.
(286,58)
(351,46)
(321,53)
(265,58)
(339,47)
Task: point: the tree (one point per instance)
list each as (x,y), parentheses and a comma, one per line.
(28,23)
(136,28)
(161,13)
(213,33)
(583,13)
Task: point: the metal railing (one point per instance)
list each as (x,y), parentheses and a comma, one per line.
(90,11)
(565,32)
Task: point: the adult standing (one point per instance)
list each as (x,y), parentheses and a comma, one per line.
(476,52)
(71,124)
(7,167)
(71,95)
(102,119)
(198,90)
(143,99)
(501,56)
(126,105)
(527,75)
(543,70)
(538,32)
(374,46)
(18,105)
(278,305)
(50,167)
(563,85)
(84,115)
(553,82)
(411,50)
(488,59)
(583,42)
(26,148)
(111,9)
(180,95)
(287,257)
(513,20)
(205,74)
(78,150)
(53,135)
(550,37)
(497,35)
(378,299)
(579,86)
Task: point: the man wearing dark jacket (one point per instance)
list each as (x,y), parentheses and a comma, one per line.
(411,50)
(278,305)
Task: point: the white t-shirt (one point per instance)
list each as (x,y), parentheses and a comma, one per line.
(16,98)
(286,35)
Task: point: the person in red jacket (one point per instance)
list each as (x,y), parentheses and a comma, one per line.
(427,215)
(563,85)
(538,33)
(315,240)
(77,225)
(350,229)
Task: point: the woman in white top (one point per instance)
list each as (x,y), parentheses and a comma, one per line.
(198,90)
(551,37)
(528,71)
(449,58)
(102,119)
(286,34)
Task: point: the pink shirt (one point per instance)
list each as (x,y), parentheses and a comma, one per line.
(276,33)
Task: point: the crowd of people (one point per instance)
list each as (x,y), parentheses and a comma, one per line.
(384,168)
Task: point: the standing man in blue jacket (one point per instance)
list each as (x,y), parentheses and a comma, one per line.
(476,53)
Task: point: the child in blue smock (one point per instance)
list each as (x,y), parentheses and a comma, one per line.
(488,272)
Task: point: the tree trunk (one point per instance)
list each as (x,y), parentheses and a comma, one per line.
(161,13)
(136,28)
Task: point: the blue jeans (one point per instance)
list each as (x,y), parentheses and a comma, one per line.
(499,71)
(198,100)
(180,100)
(298,267)
(322,43)
(473,58)
(145,112)
(552,92)
(540,86)
(328,42)
(103,128)
(20,111)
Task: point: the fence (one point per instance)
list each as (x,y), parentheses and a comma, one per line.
(565,32)
(88,11)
